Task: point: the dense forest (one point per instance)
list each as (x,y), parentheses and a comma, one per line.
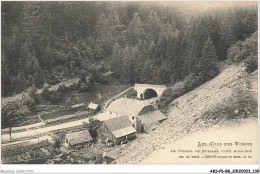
(49,42)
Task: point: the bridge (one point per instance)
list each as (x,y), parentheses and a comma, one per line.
(146,91)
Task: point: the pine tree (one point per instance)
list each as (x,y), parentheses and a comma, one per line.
(206,65)
(116,60)
(135,31)
(105,35)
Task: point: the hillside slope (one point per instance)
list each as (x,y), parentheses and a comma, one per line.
(211,103)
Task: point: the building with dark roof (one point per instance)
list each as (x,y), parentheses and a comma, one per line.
(129,107)
(116,129)
(149,121)
(78,138)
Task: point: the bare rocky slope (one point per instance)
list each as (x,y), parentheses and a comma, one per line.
(211,103)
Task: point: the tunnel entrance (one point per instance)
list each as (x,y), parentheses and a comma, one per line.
(149,93)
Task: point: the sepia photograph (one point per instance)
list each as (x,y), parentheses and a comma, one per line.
(129,82)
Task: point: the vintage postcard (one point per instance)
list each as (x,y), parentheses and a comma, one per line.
(94,82)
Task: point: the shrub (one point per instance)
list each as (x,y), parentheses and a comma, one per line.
(132,93)
(83,88)
(30,103)
(83,78)
(33,94)
(56,97)
(251,64)
(62,89)
(46,95)
(242,50)
(189,83)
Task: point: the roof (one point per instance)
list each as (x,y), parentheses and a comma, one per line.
(126,106)
(114,154)
(105,116)
(78,137)
(124,131)
(93,106)
(152,117)
(120,126)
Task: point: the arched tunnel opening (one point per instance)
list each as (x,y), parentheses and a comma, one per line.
(150,93)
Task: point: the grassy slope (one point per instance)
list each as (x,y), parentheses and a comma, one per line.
(209,104)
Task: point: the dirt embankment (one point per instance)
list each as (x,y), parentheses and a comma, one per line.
(197,110)
(233,135)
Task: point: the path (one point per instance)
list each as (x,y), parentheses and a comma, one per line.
(24,127)
(31,140)
(109,101)
(42,131)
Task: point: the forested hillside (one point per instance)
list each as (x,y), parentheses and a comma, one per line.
(49,42)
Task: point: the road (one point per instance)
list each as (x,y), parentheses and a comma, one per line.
(109,101)
(23,127)
(41,131)
(29,141)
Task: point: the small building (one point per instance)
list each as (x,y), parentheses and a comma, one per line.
(129,107)
(76,139)
(92,107)
(149,121)
(116,129)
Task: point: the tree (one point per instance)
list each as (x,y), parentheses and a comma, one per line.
(243,49)
(206,65)
(56,97)
(83,77)
(46,93)
(117,29)
(135,31)
(11,114)
(146,74)
(32,92)
(105,34)
(91,127)
(116,60)
(153,26)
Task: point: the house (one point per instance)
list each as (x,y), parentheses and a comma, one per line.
(78,139)
(129,107)
(149,121)
(92,107)
(116,129)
